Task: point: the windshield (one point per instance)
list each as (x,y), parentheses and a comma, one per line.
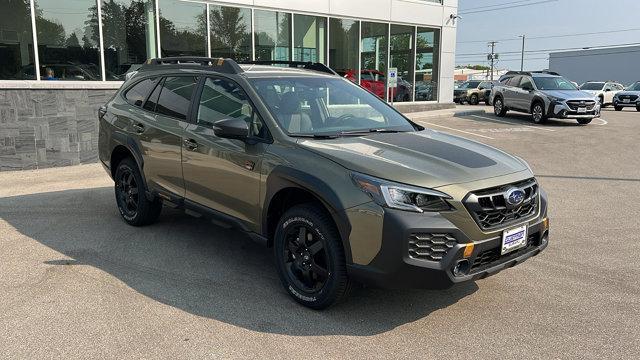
(634,87)
(469,85)
(592,86)
(553,83)
(307,106)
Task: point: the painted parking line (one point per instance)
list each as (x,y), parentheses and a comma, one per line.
(511,123)
(462,131)
(603,121)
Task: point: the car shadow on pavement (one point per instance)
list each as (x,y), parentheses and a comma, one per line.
(203,269)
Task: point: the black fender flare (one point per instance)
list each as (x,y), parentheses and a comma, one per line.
(282,177)
(128,142)
(539,99)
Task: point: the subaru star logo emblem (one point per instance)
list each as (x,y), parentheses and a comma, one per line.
(582,102)
(514,197)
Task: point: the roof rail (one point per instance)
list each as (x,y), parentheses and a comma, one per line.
(532,72)
(308,65)
(219,64)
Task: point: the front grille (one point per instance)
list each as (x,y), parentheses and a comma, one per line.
(575,104)
(490,257)
(491,211)
(630,97)
(434,247)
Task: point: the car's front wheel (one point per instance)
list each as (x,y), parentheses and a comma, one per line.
(498,107)
(617,108)
(638,108)
(134,206)
(537,113)
(584,121)
(310,258)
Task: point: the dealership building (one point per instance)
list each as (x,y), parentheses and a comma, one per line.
(61,59)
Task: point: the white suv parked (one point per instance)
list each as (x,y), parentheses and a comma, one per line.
(604,90)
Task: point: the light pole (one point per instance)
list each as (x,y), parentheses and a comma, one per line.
(522,56)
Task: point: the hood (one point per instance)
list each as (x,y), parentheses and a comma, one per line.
(570,94)
(426,158)
(627,92)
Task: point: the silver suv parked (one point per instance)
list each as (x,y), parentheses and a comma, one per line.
(544,95)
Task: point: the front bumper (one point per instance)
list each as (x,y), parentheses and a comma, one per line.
(394,267)
(560,110)
(617,103)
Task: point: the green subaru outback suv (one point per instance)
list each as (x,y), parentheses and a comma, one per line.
(342,186)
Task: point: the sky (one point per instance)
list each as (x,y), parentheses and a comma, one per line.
(538,19)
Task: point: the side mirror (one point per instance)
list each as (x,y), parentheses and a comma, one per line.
(607,90)
(231,129)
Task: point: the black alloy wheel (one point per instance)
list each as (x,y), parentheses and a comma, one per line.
(310,257)
(130,190)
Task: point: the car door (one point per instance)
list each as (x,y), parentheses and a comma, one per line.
(159,134)
(525,93)
(509,92)
(224,174)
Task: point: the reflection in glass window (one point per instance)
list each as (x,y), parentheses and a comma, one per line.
(310,38)
(427,64)
(343,47)
(273,35)
(183,28)
(128,28)
(16,40)
(374,58)
(139,92)
(68,39)
(175,96)
(402,59)
(230,32)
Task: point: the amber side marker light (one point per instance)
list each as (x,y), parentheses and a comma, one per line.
(545,223)
(468,250)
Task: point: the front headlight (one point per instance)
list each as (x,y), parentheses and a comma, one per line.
(556,99)
(402,197)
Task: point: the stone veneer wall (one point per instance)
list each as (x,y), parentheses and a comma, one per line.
(41,128)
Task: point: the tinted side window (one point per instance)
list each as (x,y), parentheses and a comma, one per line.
(153,98)
(175,96)
(514,81)
(526,83)
(223,99)
(137,94)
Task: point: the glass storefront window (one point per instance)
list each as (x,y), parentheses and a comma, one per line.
(129,35)
(310,38)
(402,56)
(273,35)
(230,32)
(68,40)
(344,39)
(16,40)
(427,51)
(183,28)
(373,73)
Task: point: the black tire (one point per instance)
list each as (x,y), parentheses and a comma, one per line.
(487,102)
(617,108)
(602,104)
(538,114)
(584,121)
(134,206)
(498,107)
(638,108)
(473,100)
(313,270)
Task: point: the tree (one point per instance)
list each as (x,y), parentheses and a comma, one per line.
(72,40)
(229,31)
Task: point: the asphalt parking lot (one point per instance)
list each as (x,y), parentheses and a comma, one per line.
(77,282)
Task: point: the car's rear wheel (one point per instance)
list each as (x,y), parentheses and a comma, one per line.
(602,103)
(638,108)
(310,258)
(473,100)
(498,107)
(134,206)
(584,121)
(538,114)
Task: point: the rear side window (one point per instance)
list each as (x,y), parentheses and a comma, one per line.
(514,81)
(137,94)
(152,101)
(175,96)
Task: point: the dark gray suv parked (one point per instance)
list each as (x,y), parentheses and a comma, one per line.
(544,95)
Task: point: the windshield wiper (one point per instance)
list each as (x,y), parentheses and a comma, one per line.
(316,136)
(368,131)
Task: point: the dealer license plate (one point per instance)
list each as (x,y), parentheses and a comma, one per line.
(582,110)
(514,239)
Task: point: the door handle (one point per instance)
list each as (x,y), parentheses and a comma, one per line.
(190,144)
(138,127)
